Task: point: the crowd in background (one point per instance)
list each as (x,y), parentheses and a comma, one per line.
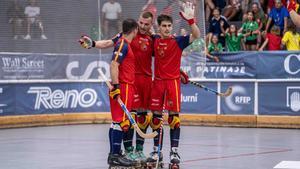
(232,25)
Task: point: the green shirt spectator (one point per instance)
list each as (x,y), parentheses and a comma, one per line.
(249,27)
(233,42)
(215,47)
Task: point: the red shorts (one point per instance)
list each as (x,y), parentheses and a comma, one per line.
(142,93)
(168,88)
(117,114)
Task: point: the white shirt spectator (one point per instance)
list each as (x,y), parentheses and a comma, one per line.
(111,10)
(32,11)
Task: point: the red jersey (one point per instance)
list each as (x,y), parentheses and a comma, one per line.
(167,54)
(274,41)
(142,46)
(123,54)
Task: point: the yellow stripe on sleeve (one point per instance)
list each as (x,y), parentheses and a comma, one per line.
(119,50)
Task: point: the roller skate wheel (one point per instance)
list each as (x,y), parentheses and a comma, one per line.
(173,166)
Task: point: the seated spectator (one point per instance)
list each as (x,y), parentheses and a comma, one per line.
(210,5)
(16,17)
(279,17)
(214,46)
(32,12)
(232,9)
(272,39)
(111,18)
(251,32)
(291,38)
(233,39)
(216,24)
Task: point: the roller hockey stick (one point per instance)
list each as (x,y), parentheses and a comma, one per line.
(132,121)
(225,94)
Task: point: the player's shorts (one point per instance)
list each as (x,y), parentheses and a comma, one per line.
(142,91)
(170,89)
(117,114)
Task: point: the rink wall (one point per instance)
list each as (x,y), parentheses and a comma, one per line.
(61,89)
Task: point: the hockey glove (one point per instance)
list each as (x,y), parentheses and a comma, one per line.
(114,93)
(184,78)
(86,42)
(292,5)
(188,12)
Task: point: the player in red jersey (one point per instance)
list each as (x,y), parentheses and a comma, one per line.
(165,93)
(122,69)
(142,47)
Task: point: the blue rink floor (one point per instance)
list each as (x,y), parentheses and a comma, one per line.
(86,147)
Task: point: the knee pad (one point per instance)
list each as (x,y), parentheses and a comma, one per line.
(174,121)
(125,125)
(143,120)
(156,121)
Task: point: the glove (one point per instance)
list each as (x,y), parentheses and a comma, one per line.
(86,42)
(184,78)
(188,12)
(292,5)
(114,93)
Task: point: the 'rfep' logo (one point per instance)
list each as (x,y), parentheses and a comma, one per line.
(293,98)
(238,98)
(287,64)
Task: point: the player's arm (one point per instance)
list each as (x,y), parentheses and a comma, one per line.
(292,7)
(86,42)
(264,44)
(188,14)
(119,54)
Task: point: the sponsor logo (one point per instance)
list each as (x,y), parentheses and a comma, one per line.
(223,67)
(95,65)
(238,98)
(189,98)
(56,99)
(287,64)
(18,64)
(293,98)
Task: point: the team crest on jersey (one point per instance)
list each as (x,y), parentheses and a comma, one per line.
(162,47)
(144,43)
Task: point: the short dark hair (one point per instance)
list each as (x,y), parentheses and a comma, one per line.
(129,25)
(164,17)
(147,15)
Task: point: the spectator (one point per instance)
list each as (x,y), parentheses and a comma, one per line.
(214,46)
(273,39)
(16,17)
(216,24)
(32,12)
(232,9)
(291,38)
(111,18)
(259,15)
(250,30)
(278,16)
(272,4)
(211,5)
(233,39)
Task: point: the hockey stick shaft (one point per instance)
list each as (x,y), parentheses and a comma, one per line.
(161,131)
(225,94)
(126,111)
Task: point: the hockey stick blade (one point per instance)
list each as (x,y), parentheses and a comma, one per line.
(126,111)
(225,94)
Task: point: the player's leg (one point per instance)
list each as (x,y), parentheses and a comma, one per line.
(156,106)
(173,105)
(127,141)
(141,100)
(120,125)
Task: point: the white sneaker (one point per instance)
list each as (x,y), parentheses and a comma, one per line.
(44,37)
(27,37)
